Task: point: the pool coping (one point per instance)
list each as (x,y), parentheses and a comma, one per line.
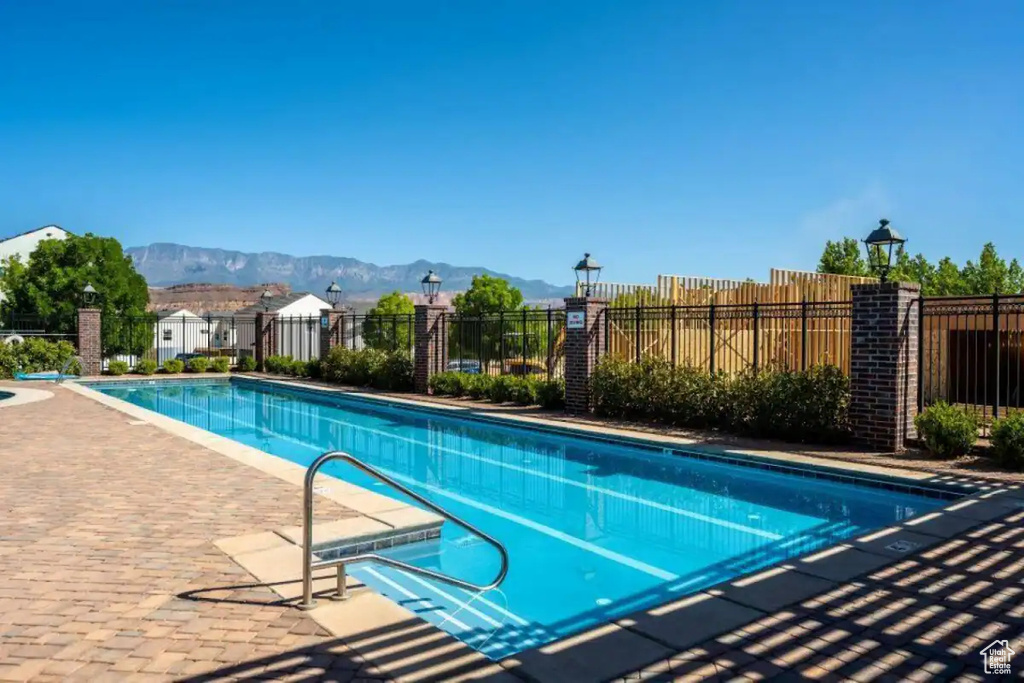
(626,644)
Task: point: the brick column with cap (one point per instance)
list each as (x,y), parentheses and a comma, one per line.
(90,341)
(266,337)
(584,343)
(431,345)
(332,329)
(884,364)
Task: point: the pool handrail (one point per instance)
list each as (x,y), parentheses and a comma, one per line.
(64,368)
(307,537)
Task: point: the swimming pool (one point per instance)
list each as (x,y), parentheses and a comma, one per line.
(595,530)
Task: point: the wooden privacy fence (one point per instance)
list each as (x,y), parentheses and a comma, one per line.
(784,286)
(733,337)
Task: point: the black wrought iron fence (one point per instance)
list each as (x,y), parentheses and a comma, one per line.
(389,332)
(298,337)
(23,326)
(180,335)
(523,343)
(971,353)
(731,338)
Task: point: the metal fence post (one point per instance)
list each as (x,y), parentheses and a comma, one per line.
(675,351)
(551,351)
(998,351)
(637,332)
(711,323)
(757,337)
(524,342)
(920,353)
(803,335)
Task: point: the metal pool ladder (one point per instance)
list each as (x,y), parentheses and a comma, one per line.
(308,565)
(64,368)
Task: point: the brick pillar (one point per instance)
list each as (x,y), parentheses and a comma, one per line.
(584,343)
(90,341)
(332,329)
(266,337)
(431,350)
(883,364)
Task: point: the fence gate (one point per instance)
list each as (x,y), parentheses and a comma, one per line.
(971,353)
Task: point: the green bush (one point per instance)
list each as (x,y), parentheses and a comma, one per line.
(117,367)
(479,386)
(551,394)
(220,364)
(389,370)
(313,368)
(198,364)
(145,366)
(809,406)
(503,389)
(947,431)
(173,366)
(246,364)
(448,384)
(1008,441)
(36,354)
(395,373)
(278,365)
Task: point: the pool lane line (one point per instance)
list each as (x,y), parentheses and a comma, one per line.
(546,530)
(734,526)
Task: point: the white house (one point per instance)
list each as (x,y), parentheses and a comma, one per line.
(298,321)
(179,331)
(22,246)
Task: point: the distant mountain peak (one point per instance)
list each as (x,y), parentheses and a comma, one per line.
(164,264)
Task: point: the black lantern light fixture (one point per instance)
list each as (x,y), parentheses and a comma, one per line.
(89,294)
(333,294)
(588,273)
(431,283)
(880,245)
(265,298)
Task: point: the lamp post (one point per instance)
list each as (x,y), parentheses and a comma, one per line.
(333,294)
(265,298)
(588,273)
(89,295)
(880,245)
(431,284)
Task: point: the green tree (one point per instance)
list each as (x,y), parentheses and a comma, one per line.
(990,274)
(843,257)
(488,295)
(388,325)
(49,287)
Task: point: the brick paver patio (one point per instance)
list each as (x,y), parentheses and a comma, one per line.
(108,571)
(107,526)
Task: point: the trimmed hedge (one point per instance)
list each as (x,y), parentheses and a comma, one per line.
(277,365)
(501,389)
(246,364)
(388,370)
(1008,441)
(810,406)
(117,367)
(36,354)
(947,431)
(145,366)
(198,364)
(220,364)
(173,366)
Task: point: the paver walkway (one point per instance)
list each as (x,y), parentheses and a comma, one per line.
(105,527)
(108,572)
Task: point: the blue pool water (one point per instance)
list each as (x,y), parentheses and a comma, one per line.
(594,530)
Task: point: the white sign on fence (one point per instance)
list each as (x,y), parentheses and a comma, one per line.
(575,320)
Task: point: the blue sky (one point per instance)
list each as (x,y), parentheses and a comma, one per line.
(716,138)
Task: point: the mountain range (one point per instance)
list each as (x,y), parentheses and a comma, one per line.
(164,264)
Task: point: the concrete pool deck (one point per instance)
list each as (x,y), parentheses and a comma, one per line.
(110,569)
